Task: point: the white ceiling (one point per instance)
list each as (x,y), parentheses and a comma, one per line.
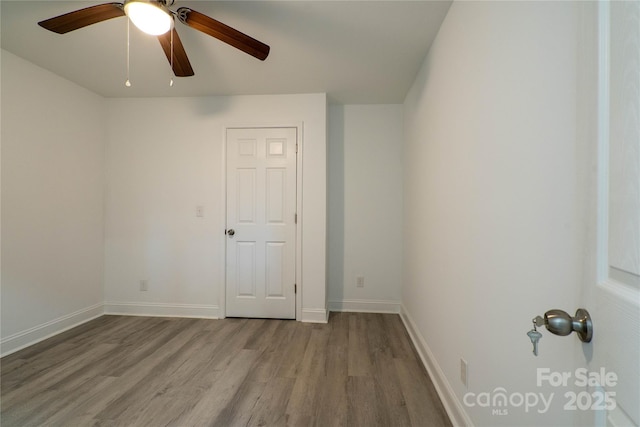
(355,51)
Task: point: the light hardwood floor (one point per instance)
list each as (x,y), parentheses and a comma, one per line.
(358,370)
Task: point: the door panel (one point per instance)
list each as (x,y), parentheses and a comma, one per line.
(246,196)
(624,150)
(613,297)
(261,210)
(275,259)
(245,269)
(276,180)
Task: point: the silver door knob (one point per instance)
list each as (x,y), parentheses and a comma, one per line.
(561,323)
(231,232)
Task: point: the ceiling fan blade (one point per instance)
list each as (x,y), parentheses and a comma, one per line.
(217,29)
(181,64)
(81,18)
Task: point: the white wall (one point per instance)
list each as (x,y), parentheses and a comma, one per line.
(165,157)
(365,207)
(81,227)
(491,223)
(52,203)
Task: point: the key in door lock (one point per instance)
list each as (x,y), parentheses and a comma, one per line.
(559,322)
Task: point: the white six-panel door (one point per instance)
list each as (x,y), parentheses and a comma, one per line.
(614,297)
(261,222)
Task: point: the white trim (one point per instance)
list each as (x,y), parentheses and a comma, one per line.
(38,333)
(300,218)
(452,405)
(223,226)
(315,315)
(200,311)
(365,306)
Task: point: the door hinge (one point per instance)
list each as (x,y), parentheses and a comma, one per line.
(295,218)
(295,288)
(296,148)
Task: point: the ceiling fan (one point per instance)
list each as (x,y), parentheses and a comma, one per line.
(154,17)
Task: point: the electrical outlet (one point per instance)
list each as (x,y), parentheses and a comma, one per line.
(360,281)
(464,372)
(144,285)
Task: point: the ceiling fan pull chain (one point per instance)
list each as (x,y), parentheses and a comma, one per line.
(128,83)
(171,70)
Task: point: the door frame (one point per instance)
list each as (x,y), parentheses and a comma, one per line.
(299,126)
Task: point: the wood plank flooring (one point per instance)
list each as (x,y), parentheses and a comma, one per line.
(360,369)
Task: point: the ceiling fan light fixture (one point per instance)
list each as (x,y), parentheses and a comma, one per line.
(155,17)
(149,16)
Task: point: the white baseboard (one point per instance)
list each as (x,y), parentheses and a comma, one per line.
(365,306)
(38,333)
(162,309)
(315,315)
(452,405)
